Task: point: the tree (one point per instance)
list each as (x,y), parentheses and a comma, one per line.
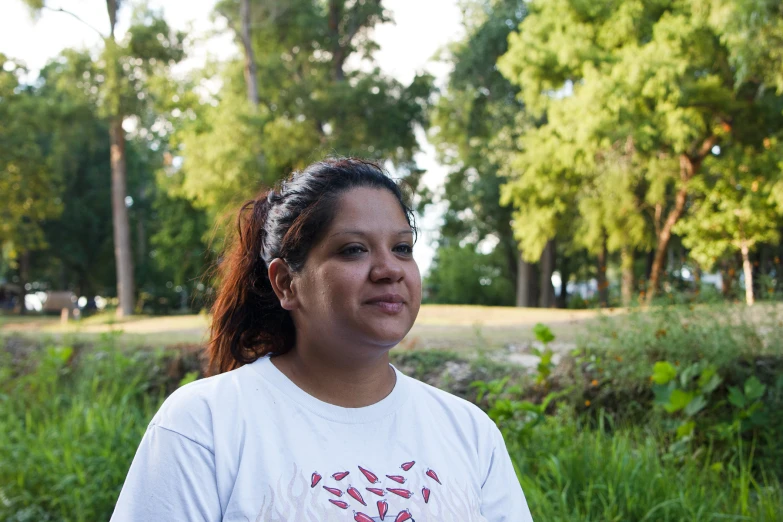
(734,209)
(251,68)
(309,104)
(470,123)
(29,187)
(149,46)
(664,76)
(80,255)
(461,275)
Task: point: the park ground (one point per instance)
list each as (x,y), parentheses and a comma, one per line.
(663,414)
(467,330)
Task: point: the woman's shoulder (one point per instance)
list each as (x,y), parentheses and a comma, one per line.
(191,409)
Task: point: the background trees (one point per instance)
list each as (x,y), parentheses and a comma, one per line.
(642,90)
(616,148)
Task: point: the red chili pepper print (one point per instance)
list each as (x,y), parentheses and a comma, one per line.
(339,503)
(372,477)
(406,466)
(399,479)
(315,479)
(334,491)
(434,476)
(341,475)
(377,491)
(426,494)
(361,517)
(355,494)
(383,507)
(403,516)
(404,493)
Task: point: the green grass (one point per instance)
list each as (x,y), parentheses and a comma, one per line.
(69,430)
(72,415)
(571,473)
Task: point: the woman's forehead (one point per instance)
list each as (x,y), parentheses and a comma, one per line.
(369,209)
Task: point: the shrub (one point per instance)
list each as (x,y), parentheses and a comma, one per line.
(69,430)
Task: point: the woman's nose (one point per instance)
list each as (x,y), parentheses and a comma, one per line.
(386,267)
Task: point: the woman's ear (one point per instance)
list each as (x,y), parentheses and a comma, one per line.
(281,277)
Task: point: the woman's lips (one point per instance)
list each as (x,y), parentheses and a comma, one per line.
(388,303)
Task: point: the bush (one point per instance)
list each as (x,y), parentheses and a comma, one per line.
(706,373)
(69,430)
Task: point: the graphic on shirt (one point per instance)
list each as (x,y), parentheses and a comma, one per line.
(393,490)
(306,494)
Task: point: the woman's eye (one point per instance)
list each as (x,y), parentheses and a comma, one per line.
(352,250)
(404,249)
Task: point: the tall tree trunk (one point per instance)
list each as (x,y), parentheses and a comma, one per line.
(524,278)
(122,244)
(626,267)
(697,279)
(251,69)
(338,50)
(603,283)
(664,234)
(141,239)
(24,276)
(748,271)
(689,165)
(727,273)
(565,275)
(546,298)
(123,256)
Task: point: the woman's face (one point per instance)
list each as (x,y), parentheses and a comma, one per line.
(360,282)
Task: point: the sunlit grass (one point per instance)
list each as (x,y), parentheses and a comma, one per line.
(574,474)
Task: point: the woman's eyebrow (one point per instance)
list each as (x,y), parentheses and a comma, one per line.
(366,234)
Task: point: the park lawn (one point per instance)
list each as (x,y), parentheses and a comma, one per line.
(463,329)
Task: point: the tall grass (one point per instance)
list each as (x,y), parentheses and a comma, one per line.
(69,429)
(586,475)
(71,420)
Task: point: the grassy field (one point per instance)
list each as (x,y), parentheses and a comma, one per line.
(459,328)
(663,415)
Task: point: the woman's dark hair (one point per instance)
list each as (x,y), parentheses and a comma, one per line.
(285,222)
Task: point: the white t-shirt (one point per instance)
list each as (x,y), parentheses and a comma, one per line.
(249,445)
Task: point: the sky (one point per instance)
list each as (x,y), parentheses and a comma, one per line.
(420,30)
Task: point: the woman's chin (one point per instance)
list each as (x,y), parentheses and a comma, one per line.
(388,337)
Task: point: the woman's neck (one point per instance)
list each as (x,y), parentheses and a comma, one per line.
(348,383)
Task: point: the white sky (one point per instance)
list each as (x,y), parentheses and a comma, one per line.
(421,28)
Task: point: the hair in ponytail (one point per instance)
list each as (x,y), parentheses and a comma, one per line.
(285,222)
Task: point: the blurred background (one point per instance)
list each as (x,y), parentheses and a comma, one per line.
(599,192)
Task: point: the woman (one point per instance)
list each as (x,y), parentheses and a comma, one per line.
(307,420)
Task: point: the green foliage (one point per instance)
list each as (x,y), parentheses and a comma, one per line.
(580,450)
(734,206)
(30,187)
(424,363)
(69,429)
(472,125)
(516,417)
(309,106)
(633,95)
(461,275)
(545,365)
(572,472)
(705,375)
